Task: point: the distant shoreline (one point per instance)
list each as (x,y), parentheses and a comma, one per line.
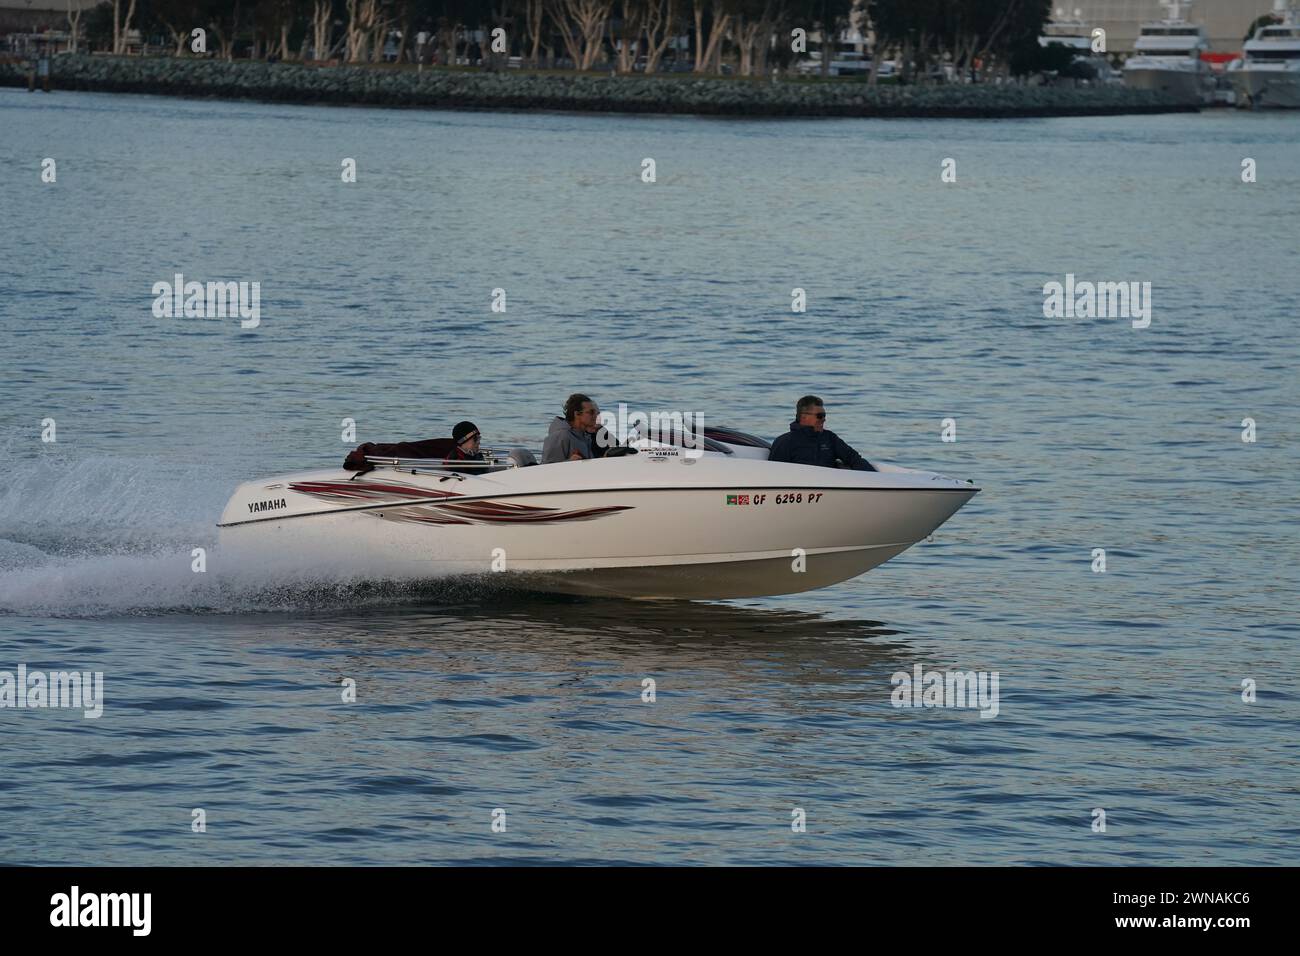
(568,92)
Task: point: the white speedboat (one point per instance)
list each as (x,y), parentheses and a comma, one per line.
(1167,57)
(648,521)
(1268,73)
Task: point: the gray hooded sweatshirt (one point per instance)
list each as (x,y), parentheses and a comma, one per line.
(562,440)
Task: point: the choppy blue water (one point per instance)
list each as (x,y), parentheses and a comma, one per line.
(1120,691)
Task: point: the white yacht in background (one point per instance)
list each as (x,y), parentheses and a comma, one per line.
(1167,57)
(1076,35)
(1268,73)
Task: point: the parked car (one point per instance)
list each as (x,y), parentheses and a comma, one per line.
(844,63)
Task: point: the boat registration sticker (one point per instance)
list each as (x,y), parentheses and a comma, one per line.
(784,498)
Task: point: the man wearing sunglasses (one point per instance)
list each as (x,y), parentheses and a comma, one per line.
(810,442)
(570,437)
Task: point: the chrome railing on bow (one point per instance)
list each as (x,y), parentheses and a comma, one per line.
(491,460)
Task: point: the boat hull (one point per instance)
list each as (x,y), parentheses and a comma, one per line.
(754,577)
(710,530)
(1267,89)
(1188,85)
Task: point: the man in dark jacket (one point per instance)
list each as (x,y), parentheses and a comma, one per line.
(810,442)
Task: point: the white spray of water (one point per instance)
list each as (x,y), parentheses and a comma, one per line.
(106,536)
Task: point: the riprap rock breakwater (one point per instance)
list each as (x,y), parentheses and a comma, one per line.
(515,90)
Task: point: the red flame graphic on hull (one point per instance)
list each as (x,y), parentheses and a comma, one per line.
(443,512)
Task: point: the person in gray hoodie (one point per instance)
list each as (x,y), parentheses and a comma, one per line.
(570,437)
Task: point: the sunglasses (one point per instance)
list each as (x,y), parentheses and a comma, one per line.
(817,415)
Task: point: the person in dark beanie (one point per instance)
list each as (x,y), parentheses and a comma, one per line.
(810,442)
(466,436)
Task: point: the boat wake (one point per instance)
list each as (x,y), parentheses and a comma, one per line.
(105,536)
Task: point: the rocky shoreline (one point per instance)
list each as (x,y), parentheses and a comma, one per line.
(523,91)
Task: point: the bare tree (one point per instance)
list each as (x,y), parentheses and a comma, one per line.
(379,34)
(582,27)
(494,15)
(179,17)
(403,16)
(226,27)
(660,27)
(357,27)
(366,18)
(286,15)
(74,26)
(988,41)
(534,13)
(321,15)
(709,51)
(271,20)
(627,42)
(755,23)
(121,27)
